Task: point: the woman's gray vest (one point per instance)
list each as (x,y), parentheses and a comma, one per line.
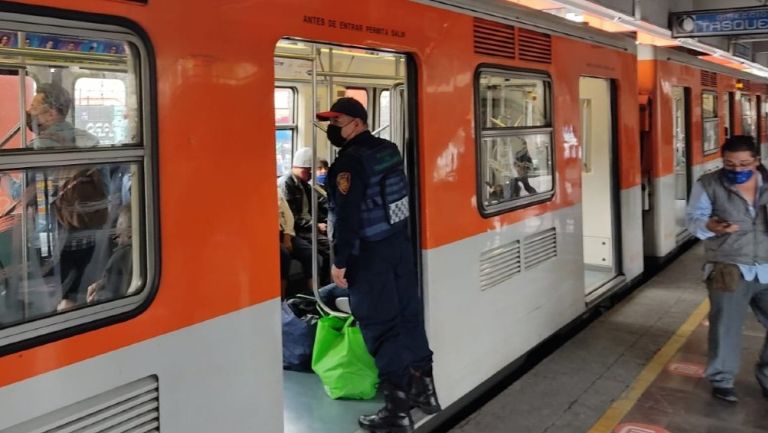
(747,246)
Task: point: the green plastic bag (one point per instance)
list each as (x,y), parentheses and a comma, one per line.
(342,361)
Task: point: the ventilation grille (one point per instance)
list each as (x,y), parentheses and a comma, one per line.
(709,79)
(535,46)
(494,39)
(499,264)
(502,40)
(539,248)
(131,408)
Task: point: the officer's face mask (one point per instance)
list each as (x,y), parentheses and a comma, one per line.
(738,177)
(335,135)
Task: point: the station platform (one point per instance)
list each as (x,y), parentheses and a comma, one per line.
(637,369)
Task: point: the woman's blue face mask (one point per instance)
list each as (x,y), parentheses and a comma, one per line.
(738,177)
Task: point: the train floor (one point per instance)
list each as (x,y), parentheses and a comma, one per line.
(637,369)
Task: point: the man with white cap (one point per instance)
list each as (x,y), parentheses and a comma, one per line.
(297,191)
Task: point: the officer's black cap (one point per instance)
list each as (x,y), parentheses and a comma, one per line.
(349,106)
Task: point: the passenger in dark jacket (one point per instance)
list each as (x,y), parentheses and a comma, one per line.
(297,191)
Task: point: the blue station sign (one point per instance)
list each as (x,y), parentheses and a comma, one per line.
(720,22)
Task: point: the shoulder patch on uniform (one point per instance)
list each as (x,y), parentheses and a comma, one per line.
(343,181)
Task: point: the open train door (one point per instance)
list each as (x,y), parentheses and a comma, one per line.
(599,185)
(309,77)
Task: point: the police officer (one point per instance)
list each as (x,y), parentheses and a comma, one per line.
(368,194)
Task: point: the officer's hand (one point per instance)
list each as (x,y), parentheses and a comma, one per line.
(323,227)
(338,276)
(719,226)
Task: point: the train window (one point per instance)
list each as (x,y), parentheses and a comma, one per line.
(101,108)
(384,113)
(74,230)
(710,122)
(515,139)
(285,127)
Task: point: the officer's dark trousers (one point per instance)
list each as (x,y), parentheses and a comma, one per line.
(384,297)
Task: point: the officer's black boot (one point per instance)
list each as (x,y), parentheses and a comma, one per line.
(422,393)
(394,417)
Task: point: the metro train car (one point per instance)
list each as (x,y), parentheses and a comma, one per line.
(689,107)
(522,138)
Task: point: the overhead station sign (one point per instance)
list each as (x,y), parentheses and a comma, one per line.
(720,22)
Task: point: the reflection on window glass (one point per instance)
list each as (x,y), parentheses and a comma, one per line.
(101,110)
(72,102)
(710,122)
(69,235)
(11,122)
(708,105)
(516,162)
(513,102)
(710,141)
(67,239)
(517,166)
(748,125)
(384,115)
(746,105)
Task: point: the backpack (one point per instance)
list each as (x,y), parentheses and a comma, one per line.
(82,201)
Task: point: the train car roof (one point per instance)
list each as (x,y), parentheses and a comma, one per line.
(649,52)
(508,13)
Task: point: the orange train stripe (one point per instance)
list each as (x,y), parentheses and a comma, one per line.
(218,214)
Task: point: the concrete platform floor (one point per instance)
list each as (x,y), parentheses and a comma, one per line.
(573,388)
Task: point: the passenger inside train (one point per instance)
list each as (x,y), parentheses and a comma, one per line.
(67,229)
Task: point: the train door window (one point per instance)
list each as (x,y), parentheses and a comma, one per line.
(514,139)
(710,122)
(75,232)
(285,127)
(747,116)
(323,73)
(599,227)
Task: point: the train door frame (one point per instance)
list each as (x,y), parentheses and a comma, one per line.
(410,149)
(681,234)
(618,278)
(688,101)
(731,113)
(759,123)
